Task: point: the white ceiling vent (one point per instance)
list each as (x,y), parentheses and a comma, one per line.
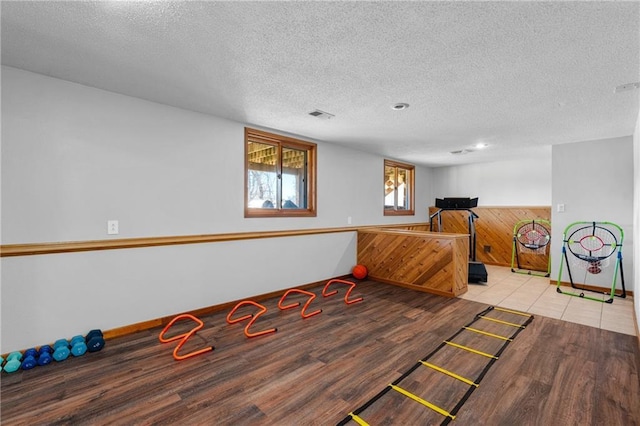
(628,86)
(400,106)
(321,114)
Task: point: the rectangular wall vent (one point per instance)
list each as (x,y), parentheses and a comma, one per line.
(321,114)
(628,86)
(461,152)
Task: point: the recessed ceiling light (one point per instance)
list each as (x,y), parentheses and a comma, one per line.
(400,106)
(481,145)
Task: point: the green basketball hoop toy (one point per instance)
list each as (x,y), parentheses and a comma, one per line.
(593,246)
(531,237)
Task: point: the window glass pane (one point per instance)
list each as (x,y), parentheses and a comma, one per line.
(389,187)
(398,188)
(280,176)
(403,189)
(262,175)
(294,170)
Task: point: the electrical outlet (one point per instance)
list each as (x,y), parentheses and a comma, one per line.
(348,220)
(112,227)
(560,208)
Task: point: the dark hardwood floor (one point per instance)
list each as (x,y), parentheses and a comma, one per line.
(315,371)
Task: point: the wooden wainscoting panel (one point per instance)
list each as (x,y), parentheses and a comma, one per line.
(425,261)
(494,233)
(462,265)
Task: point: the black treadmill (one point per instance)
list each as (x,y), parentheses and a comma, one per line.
(477,270)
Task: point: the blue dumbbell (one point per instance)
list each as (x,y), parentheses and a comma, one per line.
(95,340)
(1,362)
(44,355)
(61,350)
(13,362)
(78,345)
(29,360)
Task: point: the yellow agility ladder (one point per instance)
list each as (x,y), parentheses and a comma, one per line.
(473,384)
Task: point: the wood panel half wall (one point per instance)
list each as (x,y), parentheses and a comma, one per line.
(494,233)
(432,262)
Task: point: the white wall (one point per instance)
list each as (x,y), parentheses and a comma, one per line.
(53,296)
(594,181)
(74,157)
(523,182)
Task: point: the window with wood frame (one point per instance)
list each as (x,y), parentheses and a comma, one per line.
(398,188)
(280,175)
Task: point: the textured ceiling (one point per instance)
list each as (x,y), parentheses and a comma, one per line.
(519,76)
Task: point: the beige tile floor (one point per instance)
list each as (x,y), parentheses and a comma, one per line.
(535,295)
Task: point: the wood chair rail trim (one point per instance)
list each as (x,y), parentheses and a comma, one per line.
(31,249)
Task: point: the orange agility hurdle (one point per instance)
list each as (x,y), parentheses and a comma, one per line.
(184,337)
(253,318)
(352,285)
(293,305)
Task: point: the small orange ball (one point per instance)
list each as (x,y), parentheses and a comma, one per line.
(359,272)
